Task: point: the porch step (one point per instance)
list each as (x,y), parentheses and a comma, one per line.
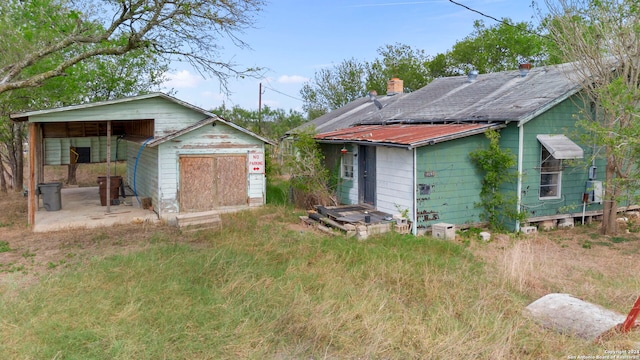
(199,221)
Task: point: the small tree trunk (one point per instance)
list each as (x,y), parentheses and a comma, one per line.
(71,174)
(610,206)
(3,181)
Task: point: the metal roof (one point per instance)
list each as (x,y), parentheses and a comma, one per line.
(495,97)
(210,117)
(560,146)
(404,135)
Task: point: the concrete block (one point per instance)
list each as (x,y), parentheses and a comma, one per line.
(529,230)
(443,231)
(547,225)
(565,223)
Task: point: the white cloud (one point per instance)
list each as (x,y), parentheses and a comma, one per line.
(182,79)
(292,79)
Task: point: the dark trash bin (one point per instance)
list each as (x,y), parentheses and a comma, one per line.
(116,181)
(51,199)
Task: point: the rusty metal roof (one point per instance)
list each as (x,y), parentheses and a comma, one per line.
(404,135)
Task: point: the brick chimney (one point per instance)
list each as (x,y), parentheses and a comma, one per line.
(395,86)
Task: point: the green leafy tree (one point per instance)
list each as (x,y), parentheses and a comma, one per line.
(311,180)
(497,48)
(334,87)
(398,61)
(63,33)
(601,39)
(496,164)
(270,123)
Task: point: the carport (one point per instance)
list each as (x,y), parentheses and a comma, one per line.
(180,158)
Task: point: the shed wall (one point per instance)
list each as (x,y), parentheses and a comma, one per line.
(207,140)
(57,150)
(142,170)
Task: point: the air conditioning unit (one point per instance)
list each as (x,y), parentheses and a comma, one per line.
(594,189)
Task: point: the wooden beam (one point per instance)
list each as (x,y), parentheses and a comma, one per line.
(108,185)
(34,146)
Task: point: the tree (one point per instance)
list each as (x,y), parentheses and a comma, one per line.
(334,87)
(274,123)
(398,61)
(601,39)
(61,34)
(497,48)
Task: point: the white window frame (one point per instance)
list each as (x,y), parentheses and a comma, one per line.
(549,167)
(347,166)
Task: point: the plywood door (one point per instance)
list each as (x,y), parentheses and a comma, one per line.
(231,180)
(197,191)
(207,182)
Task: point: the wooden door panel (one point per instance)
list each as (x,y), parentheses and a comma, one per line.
(197,191)
(231,180)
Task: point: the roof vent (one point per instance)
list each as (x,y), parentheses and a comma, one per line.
(471,77)
(524,69)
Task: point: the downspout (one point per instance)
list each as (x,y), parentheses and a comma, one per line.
(519,185)
(414,216)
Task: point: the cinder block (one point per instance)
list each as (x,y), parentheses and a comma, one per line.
(529,229)
(565,223)
(547,225)
(443,231)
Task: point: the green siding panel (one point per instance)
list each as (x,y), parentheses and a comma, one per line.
(561,119)
(448,185)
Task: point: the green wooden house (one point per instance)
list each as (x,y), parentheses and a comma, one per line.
(410,151)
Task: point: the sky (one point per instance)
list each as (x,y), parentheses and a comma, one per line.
(293,39)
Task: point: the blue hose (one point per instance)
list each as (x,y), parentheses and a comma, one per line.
(135,167)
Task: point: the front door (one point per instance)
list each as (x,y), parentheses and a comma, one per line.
(367,174)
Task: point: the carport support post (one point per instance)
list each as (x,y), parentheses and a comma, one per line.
(108,184)
(32,202)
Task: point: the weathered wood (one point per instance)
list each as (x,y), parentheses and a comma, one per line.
(333,223)
(197,191)
(326,230)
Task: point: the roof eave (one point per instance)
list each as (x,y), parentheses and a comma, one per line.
(534,114)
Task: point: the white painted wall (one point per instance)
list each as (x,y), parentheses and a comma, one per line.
(394,180)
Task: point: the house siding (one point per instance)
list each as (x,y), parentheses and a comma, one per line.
(561,119)
(448,184)
(394,180)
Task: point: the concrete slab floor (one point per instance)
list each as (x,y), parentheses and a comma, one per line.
(80,208)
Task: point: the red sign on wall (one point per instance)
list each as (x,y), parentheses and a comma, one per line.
(256,163)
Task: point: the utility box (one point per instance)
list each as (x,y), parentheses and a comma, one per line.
(594,189)
(443,231)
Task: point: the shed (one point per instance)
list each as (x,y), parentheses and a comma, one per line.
(181,158)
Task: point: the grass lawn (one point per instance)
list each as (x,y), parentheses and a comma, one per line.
(264,287)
